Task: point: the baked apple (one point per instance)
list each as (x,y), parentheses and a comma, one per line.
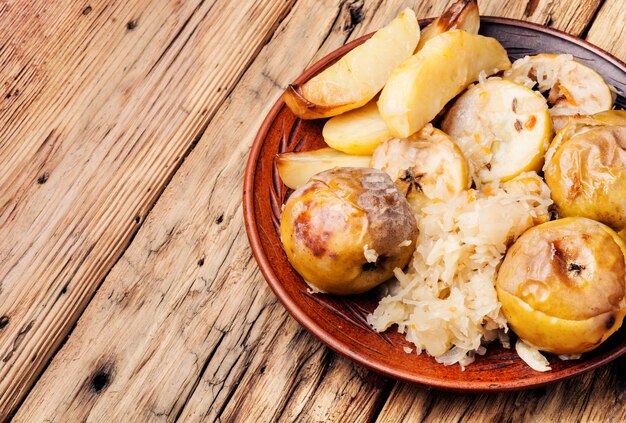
(347,229)
(503,128)
(586,171)
(361,130)
(426,166)
(562,285)
(573,88)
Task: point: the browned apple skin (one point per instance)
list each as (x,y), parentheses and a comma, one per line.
(587,171)
(326,224)
(562,285)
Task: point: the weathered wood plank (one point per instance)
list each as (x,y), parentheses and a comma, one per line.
(596,396)
(225,352)
(102,103)
(184,325)
(162,324)
(569,16)
(609,28)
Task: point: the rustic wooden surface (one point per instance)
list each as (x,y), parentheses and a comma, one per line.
(127,287)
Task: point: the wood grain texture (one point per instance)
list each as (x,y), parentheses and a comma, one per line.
(609,28)
(187,322)
(101,107)
(569,16)
(184,326)
(596,396)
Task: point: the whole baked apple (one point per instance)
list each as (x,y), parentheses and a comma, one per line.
(586,170)
(562,285)
(347,229)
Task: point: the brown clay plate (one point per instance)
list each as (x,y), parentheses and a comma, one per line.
(340,322)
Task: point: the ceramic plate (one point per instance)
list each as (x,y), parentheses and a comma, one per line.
(340,322)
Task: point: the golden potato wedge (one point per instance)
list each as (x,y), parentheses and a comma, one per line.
(503,129)
(420,87)
(358,131)
(295,169)
(359,75)
(462,14)
(361,130)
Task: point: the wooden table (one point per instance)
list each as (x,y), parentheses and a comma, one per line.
(127,288)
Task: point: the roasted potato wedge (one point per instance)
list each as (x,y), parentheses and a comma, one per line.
(503,128)
(463,14)
(561,285)
(420,87)
(426,166)
(359,75)
(347,229)
(361,130)
(295,169)
(358,131)
(586,169)
(574,89)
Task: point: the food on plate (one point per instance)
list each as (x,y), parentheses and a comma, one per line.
(562,285)
(503,128)
(586,169)
(359,75)
(347,229)
(426,166)
(463,14)
(528,183)
(573,88)
(579,124)
(361,130)
(295,169)
(532,356)
(358,131)
(420,87)
(446,302)
(431,191)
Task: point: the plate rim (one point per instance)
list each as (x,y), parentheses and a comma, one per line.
(309,323)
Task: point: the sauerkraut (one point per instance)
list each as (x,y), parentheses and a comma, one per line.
(446,303)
